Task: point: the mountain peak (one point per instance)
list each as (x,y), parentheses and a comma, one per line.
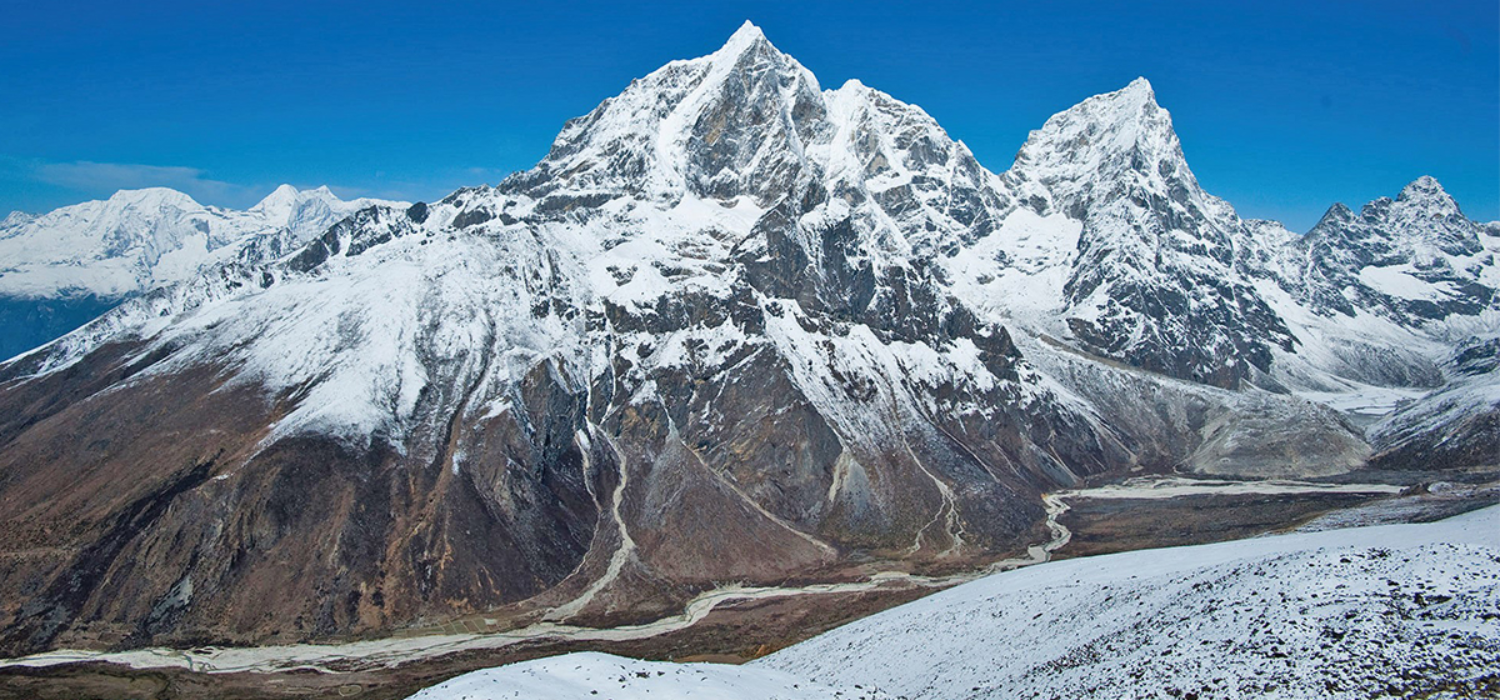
(1103,139)
(747,33)
(280,198)
(719,125)
(17,218)
(1425,189)
(1139,87)
(746,39)
(158,196)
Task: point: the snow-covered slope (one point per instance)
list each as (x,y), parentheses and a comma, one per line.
(1456,424)
(1392,611)
(1389,611)
(592,675)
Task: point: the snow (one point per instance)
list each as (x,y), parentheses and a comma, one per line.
(667,228)
(1348,613)
(139,239)
(360,338)
(1398,281)
(593,675)
(1158,487)
(1016,274)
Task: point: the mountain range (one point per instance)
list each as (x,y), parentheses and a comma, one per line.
(734,327)
(62,269)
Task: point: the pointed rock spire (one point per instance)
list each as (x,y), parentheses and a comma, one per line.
(727,124)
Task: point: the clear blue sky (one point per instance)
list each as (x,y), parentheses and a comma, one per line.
(1283,107)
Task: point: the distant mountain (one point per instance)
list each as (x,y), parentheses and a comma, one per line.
(733,327)
(62,268)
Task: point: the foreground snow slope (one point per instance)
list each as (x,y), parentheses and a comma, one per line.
(1396,610)
(594,675)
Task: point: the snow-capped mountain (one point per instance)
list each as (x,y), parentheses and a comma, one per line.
(1151,279)
(93,255)
(734,327)
(1414,260)
(1383,297)
(139,239)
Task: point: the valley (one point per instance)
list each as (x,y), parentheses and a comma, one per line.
(737,624)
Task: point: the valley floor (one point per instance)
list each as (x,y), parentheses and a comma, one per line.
(738,624)
(1383,611)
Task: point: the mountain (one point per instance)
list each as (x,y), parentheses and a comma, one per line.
(732,328)
(1402,615)
(1152,277)
(1382,297)
(67,266)
(1414,260)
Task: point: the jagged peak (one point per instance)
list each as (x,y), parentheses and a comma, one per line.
(1338,212)
(1425,189)
(1112,122)
(661,134)
(748,39)
(1140,88)
(1134,102)
(1101,139)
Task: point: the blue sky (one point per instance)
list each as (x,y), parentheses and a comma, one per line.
(1283,107)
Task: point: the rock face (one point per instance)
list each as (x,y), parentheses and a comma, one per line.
(733,327)
(63,268)
(1413,260)
(1153,280)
